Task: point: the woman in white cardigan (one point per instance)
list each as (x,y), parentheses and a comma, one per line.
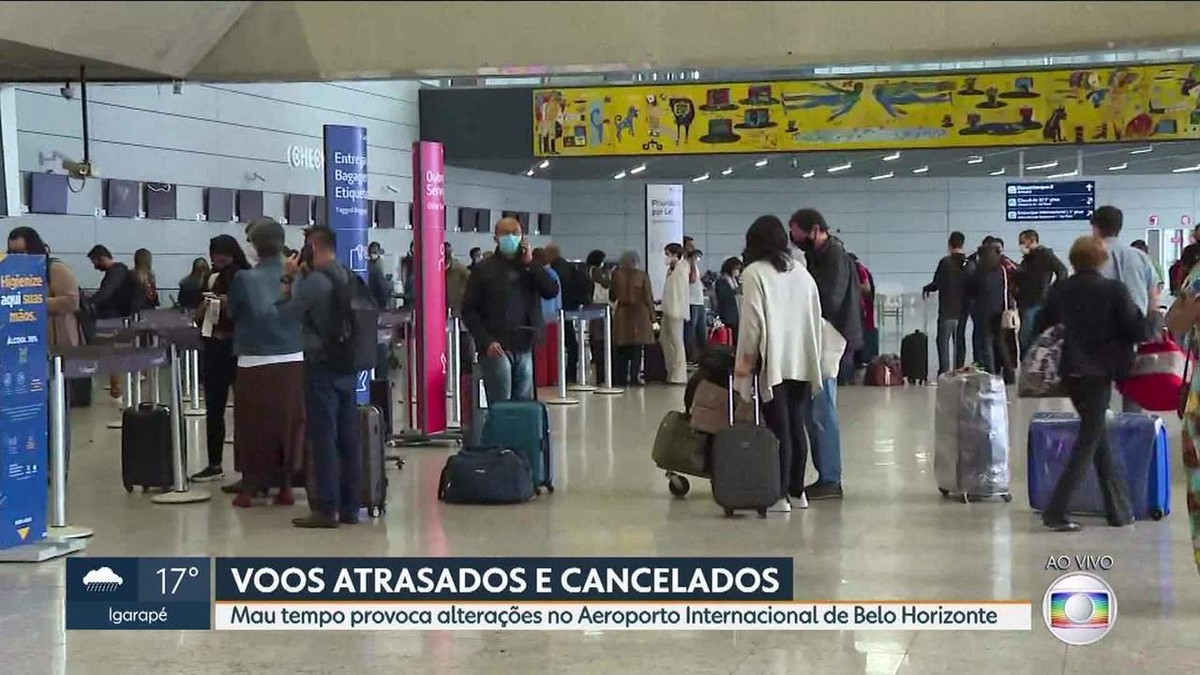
(675,310)
(780,336)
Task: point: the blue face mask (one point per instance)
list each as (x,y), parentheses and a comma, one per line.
(509,243)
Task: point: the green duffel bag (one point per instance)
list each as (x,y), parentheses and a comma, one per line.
(680,448)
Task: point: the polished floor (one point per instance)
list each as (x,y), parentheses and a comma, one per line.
(893,537)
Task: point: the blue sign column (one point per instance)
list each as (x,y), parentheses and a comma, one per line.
(346,205)
(23,399)
(1066,200)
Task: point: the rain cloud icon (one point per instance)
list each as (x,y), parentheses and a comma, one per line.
(102,580)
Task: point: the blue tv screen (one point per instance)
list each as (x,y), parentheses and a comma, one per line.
(47,193)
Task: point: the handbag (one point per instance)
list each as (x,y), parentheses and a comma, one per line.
(487,475)
(1041,369)
(1010,319)
(1156,381)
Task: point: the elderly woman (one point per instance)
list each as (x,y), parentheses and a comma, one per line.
(633,318)
(268,413)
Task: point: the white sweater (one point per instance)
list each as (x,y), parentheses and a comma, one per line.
(781,325)
(675,292)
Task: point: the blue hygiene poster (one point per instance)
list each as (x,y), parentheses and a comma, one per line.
(23,399)
(346,204)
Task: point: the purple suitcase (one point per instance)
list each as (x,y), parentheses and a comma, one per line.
(1140,444)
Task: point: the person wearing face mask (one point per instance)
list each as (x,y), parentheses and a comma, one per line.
(377,281)
(502,310)
(728,291)
(220,363)
(1038,271)
(675,312)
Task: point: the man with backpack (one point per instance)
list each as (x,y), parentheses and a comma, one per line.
(334,307)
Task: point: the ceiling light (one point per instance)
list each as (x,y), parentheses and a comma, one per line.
(529,173)
(892,157)
(997,172)
(840,167)
(975,159)
(761,163)
(727,172)
(883,176)
(808,174)
(1065,174)
(1043,165)
(545,164)
(637,169)
(697,179)
(1119,167)
(1186,169)
(1142,151)
(619,175)
(921,169)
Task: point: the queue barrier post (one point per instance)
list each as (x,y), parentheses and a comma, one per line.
(179,494)
(192,366)
(60,439)
(455,371)
(581,365)
(608,389)
(127,394)
(562,398)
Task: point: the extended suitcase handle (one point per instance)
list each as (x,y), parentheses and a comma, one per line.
(753,399)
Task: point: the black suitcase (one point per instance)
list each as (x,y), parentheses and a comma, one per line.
(146,447)
(79,392)
(654,365)
(381,397)
(374,482)
(745,465)
(914,357)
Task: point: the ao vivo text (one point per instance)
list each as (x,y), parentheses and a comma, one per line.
(1081,563)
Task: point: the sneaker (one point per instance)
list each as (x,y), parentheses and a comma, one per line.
(781,506)
(819,491)
(800,502)
(316,521)
(209,473)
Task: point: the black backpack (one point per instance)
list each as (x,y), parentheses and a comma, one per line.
(352,338)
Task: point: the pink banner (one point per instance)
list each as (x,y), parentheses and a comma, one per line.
(429,275)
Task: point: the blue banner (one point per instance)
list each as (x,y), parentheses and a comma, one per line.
(502,579)
(23,399)
(346,204)
(139,594)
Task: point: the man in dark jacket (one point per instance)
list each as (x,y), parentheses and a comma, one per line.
(949,282)
(837,286)
(502,309)
(576,292)
(118,290)
(1039,269)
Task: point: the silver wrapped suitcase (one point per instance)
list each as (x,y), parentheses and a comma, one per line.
(970,457)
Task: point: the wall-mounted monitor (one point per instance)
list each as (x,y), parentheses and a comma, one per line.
(385,215)
(250,205)
(466,219)
(299,210)
(411,223)
(483,221)
(521,216)
(47,193)
(121,199)
(218,205)
(160,198)
(543,223)
(320,217)
(371,213)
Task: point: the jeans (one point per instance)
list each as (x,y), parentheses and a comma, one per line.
(220,370)
(983,339)
(695,331)
(786,415)
(332,423)
(508,378)
(1028,318)
(825,436)
(1090,396)
(949,330)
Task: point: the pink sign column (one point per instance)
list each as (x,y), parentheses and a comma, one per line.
(429,276)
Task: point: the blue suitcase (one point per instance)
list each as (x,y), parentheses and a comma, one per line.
(524,428)
(1140,444)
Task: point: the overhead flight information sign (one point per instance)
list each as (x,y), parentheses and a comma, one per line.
(1068,200)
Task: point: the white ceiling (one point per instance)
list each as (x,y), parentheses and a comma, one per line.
(1096,159)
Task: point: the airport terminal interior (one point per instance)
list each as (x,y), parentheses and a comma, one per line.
(896,143)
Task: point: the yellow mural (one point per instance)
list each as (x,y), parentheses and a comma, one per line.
(1088,105)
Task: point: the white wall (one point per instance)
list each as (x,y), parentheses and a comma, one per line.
(218,135)
(897,227)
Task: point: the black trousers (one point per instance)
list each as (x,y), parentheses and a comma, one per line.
(627,365)
(785,417)
(1090,396)
(220,370)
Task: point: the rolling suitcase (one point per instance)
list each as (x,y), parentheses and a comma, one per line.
(524,428)
(1140,446)
(374,482)
(381,397)
(146,447)
(970,452)
(79,392)
(654,366)
(745,464)
(914,357)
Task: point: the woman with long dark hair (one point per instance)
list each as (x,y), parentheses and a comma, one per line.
(63,303)
(220,363)
(192,287)
(780,336)
(728,292)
